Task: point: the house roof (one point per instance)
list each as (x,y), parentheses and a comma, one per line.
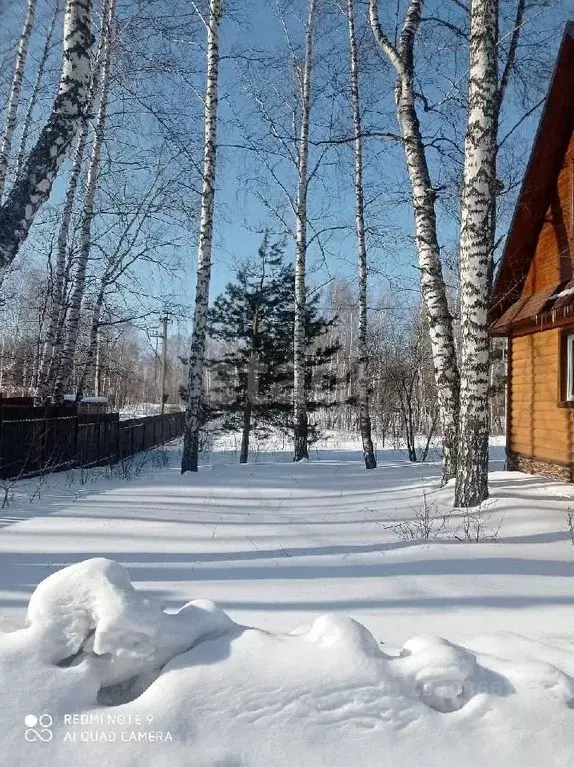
(548,305)
(93,400)
(550,145)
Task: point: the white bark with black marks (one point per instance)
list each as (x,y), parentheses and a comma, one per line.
(190,457)
(27,122)
(71,328)
(93,340)
(14,97)
(300,418)
(50,359)
(363,366)
(52,347)
(423,197)
(476,243)
(34,184)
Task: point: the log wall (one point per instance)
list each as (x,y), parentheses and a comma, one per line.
(539,427)
(553,261)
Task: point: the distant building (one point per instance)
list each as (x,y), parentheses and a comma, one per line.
(89,405)
(533,295)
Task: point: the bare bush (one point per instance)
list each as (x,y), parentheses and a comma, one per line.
(477,525)
(429,522)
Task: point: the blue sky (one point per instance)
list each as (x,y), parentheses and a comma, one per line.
(239,213)
(241,216)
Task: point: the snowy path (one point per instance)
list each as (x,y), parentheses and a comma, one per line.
(277,544)
(102,677)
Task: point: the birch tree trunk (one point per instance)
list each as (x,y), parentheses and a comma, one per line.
(35,92)
(51,351)
(64,376)
(301,426)
(423,197)
(92,342)
(476,241)
(190,456)
(32,188)
(14,97)
(52,348)
(363,367)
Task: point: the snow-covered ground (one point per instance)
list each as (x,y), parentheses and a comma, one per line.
(277,545)
(146,409)
(330,439)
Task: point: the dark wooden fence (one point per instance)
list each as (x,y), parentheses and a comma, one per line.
(39,440)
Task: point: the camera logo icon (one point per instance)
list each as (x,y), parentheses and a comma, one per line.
(38,728)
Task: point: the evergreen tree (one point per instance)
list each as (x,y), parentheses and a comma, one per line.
(254,319)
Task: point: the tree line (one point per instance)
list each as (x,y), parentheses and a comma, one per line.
(461,374)
(311,117)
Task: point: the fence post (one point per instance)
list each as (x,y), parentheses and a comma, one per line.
(1,442)
(77,461)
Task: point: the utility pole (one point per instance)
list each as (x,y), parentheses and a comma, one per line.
(97,366)
(165,320)
(163,373)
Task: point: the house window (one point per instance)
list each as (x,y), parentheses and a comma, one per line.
(569,388)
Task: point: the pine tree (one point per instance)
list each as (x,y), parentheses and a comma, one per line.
(254,318)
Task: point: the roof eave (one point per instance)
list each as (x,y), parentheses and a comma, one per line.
(502,295)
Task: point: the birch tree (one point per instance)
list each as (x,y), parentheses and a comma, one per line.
(27,122)
(289,160)
(14,97)
(300,419)
(363,353)
(52,347)
(64,375)
(137,240)
(33,186)
(476,244)
(433,289)
(190,456)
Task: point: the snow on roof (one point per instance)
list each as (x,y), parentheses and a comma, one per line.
(567,292)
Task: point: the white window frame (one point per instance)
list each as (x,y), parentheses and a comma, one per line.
(570,368)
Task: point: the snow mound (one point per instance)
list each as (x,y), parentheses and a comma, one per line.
(344,633)
(103,675)
(440,671)
(91,611)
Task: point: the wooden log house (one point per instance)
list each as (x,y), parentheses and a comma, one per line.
(533,294)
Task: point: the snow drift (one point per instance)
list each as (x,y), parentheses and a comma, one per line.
(103,675)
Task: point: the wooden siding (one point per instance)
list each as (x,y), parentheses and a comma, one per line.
(553,258)
(539,427)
